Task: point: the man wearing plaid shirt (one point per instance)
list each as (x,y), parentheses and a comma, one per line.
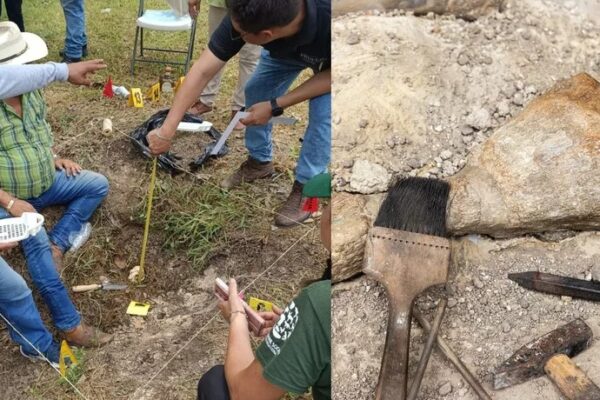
(31,179)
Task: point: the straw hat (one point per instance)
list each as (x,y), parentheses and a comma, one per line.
(18,47)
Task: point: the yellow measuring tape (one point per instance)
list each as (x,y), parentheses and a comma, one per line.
(141,275)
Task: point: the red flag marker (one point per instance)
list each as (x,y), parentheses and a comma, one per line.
(108,90)
(311,204)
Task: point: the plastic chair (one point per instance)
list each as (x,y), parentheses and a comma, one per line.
(173,20)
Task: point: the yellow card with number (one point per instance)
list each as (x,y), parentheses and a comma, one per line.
(135,98)
(67,358)
(260,305)
(179,83)
(154,92)
(137,308)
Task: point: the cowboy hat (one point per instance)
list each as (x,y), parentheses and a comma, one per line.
(18,47)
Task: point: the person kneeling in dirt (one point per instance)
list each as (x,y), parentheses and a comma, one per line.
(296,35)
(296,353)
(29,181)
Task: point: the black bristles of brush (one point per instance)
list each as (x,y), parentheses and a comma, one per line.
(416,205)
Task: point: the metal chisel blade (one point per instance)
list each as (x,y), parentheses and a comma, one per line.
(558,285)
(113,286)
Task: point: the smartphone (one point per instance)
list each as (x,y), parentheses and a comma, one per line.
(256,322)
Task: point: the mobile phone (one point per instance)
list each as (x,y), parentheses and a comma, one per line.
(255,321)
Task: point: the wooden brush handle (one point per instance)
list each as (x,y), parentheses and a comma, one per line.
(86,288)
(570,379)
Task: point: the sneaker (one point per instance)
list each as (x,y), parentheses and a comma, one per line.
(84,52)
(291,213)
(199,108)
(249,171)
(52,355)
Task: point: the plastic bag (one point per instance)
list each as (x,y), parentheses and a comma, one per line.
(169,161)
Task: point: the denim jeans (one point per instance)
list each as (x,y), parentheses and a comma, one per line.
(17,306)
(81,194)
(272,78)
(76,37)
(212,385)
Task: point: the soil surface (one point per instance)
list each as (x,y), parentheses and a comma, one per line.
(414,95)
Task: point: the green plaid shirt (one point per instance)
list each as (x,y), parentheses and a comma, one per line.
(26,160)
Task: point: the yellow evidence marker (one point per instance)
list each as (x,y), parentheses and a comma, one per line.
(137,308)
(179,83)
(67,358)
(260,305)
(135,98)
(154,92)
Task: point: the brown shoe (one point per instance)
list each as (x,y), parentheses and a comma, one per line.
(87,336)
(291,213)
(249,171)
(199,108)
(239,126)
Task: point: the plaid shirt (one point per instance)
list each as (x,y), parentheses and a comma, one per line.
(26,160)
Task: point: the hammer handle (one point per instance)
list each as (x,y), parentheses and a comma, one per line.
(570,379)
(451,355)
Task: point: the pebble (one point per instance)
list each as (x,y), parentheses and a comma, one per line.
(445,389)
(445,155)
(413,163)
(503,108)
(489,35)
(523,303)
(506,327)
(596,273)
(452,302)
(347,163)
(337,120)
(463,59)
(566,299)
(466,130)
(518,99)
(479,119)
(557,308)
(353,39)
(477,283)
(363,123)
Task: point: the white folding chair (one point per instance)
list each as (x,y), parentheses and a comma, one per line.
(175,19)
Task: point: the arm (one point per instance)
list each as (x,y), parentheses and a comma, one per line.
(202,71)
(242,371)
(317,85)
(17,208)
(16,80)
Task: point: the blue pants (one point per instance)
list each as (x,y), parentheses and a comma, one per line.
(212,385)
(81,195)
(17,306)
(76,37)
(272,79)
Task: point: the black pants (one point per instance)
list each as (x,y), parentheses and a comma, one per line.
(212,385)
(14,12)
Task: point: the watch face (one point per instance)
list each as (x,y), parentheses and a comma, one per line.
(275,109)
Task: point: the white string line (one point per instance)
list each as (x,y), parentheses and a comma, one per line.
(216,314)
(43,356)
(205,180)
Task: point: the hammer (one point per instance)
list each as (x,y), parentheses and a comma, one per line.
(552,354)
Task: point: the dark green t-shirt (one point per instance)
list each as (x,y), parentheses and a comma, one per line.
(296,355)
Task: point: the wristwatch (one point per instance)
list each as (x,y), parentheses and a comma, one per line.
(276,111)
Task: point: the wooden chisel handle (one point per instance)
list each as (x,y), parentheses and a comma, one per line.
(86,288)
(573,383)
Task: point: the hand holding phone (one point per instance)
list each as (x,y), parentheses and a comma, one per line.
(255,321)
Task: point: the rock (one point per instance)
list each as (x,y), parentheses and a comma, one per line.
(503,108)
(349,227)
(363,123)
(445,155)
(466,130)
(452,302)
(596,273)
(518,99)
(477,283)
(368,177)
(537,173)
(353,39)
(445,389)
(506,327)
(468,9)
(524,304)
(479,119)
(463,59)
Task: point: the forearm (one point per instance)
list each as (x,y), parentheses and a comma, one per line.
(5,198)
(16,80)
(195,81)
(239,350)
(316,86)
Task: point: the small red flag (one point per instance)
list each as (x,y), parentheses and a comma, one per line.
(108,91)
(311,204)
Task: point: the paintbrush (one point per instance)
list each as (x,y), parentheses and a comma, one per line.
(407,251)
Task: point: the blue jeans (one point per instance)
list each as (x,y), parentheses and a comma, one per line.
(81,194)
(76,37)
(17,306)
(272,79)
